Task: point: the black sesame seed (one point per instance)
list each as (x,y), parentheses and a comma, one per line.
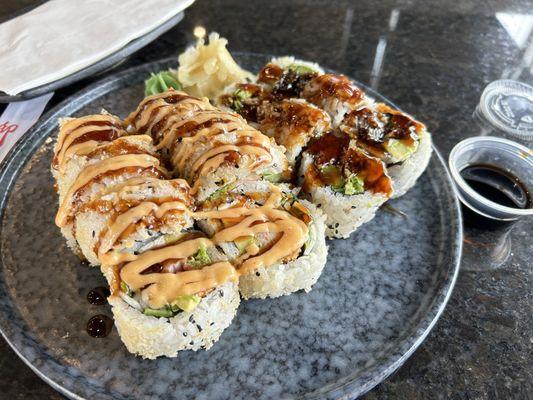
(354,207)
(257,273)
(94,233)
(212,323)
(318,205)
(191,319)
(337,225)
(184,333)
(191,343)
(221,293)
(199,328)
(336,231)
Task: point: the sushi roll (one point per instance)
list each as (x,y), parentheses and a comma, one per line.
(242,98)
(180,296)
(214,148)
(275,240)
(345,182)
(93,161)
(396,138)
(132,217)
(292,123)
(156,114)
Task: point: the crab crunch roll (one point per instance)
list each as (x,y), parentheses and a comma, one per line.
(89,161)
(394,137)
(275,241)
(214,148)
(139,214)
(346,183)
(156,114)
(177,297)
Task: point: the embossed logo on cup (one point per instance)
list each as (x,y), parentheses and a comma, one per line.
(514,110)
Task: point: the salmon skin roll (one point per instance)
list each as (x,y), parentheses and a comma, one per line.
(394,137)
(345,182)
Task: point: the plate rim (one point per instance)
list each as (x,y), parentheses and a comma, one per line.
(350,389)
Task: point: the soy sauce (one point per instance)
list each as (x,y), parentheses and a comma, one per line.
(497,185)
(99,326)
(98,296)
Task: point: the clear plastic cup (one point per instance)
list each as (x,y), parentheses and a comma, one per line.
(505,154)
(506,106)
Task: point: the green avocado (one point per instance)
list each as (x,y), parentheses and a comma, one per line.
(243,242)
(398,150)
(272,177)
(185,303)
(354,185)
(160,312)
(301,69)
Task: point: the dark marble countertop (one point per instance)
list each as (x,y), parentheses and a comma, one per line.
(433,58)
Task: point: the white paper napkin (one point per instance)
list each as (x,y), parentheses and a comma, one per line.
(63,36)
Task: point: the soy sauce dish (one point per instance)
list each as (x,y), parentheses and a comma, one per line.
(493,177)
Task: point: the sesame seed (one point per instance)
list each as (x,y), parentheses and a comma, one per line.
(337,225)
(212,323)
(318,205)
(184,333)
(353,207)
(94,233)
(257,273)
(199,328)
(191,319)
(191,343)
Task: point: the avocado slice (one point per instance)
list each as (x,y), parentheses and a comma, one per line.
(272,177)
(332,176)
(354,185)
(243,242)
(301,69)
(160,312)
(185,303)
(217,194)
(399,150)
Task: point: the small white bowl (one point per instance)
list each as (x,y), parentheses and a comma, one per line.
(503,153)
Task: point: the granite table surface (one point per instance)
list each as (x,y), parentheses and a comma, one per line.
(433,58)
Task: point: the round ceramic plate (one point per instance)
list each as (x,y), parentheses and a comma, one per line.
(381,291)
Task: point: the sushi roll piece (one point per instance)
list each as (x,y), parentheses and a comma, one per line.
(292,123)
(214,148)
(243,99)
(286,77)
(89,163)
(156,114)
(335,94)
(275,240)
(345,182)
(132,217)
(180,296)
(394,137)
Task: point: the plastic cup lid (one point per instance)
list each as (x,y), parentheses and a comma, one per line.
(507,105)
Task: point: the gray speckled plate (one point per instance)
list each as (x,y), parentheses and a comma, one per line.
(381,291)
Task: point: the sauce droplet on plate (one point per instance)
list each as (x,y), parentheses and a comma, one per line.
(99,326)
(98,296)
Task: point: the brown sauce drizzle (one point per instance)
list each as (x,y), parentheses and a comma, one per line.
(334,149)
(326,86)
(373,128)
(269,74)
